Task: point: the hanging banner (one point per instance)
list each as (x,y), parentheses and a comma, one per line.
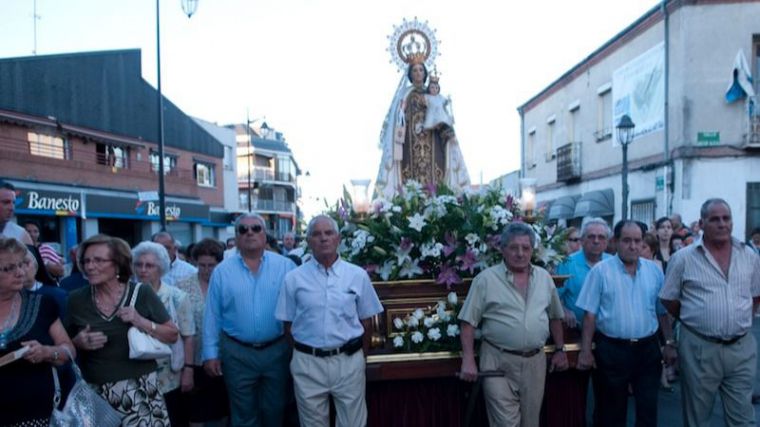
(638,89)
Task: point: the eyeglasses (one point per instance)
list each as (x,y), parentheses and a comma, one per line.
(96,261)
(145,265)
(243,229)
(12,268)
(574,239)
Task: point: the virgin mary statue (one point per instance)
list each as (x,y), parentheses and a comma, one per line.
(414,149)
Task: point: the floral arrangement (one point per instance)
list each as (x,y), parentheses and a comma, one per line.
(436,329)
(432,233)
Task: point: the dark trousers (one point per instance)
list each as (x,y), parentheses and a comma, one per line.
(619,364)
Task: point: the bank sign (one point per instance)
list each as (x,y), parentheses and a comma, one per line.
(99,206)
(49,202)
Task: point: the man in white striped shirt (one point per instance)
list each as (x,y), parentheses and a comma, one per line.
(713,286)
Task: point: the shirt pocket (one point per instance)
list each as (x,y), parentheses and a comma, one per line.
(347,300)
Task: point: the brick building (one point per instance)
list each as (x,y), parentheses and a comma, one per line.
(78,138)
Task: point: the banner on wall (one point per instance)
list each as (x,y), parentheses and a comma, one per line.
(638,89)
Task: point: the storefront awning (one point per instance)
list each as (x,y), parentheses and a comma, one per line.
(599,203)
(562,208)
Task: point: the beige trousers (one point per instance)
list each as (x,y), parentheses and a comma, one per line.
(316,378)
(708,369)
(514,399)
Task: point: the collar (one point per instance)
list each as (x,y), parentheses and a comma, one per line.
(335,268)
(510,275)
(735,243)
(621,265)
(239,257)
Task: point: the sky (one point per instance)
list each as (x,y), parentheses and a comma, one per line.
(318,70)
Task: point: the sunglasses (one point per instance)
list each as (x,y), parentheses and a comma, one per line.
(243,229)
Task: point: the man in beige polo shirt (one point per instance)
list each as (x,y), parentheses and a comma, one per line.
(712,286)
(515,304)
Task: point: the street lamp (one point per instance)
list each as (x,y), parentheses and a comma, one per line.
(625,135)
(189,7)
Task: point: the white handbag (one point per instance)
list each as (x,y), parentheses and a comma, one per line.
(141,345)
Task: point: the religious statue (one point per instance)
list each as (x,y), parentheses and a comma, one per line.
(418,138)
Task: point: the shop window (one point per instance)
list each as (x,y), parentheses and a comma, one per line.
(643,211)
(204,174)
(112,155)
(170,163)
(48,146)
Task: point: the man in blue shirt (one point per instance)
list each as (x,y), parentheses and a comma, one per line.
(241,337)
(594,236)
(620,297)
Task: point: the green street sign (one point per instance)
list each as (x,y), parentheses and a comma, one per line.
(708,138)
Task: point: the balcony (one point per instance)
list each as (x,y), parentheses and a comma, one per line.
(569,162)
(267,205)
(263,174)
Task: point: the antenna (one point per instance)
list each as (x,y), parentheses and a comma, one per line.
(35,18)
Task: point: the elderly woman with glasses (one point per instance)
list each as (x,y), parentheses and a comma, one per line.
(27,321)
(208,399)
(99,317)
(151,262)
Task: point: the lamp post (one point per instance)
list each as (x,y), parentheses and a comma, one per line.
(625,135)
(189,7)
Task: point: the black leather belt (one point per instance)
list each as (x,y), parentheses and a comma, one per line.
(255,346)
(351,347)
(714,340)
(526,353)
(628,341)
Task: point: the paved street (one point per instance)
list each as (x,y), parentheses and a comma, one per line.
(670,402)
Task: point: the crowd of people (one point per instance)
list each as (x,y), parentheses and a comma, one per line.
(251,333)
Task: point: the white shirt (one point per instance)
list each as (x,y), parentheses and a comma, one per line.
(179,271)
(326,306)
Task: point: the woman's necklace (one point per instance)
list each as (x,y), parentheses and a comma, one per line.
(6,329)
(109,306)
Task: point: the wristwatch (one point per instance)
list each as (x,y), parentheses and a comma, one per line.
(56,354)
(671,343)
(562,348)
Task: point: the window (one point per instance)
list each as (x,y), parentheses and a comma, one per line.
(550,134)
(573,125)
(204,174)
(48,146)
(228,157)
(604,113)
(170,163)
(530,149)
(112,155)
(753,206)
(285,169)
(643,210)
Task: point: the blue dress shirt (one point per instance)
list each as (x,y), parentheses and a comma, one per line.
(241,304)
(577,268)
(625,307)
(327,306)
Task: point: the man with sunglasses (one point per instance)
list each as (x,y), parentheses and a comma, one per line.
(242,339)
(327,304)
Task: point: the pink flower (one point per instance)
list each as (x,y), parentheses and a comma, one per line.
(448,276)
(493,241)
(468,260)
(451,244)
(431,189)
(510,202)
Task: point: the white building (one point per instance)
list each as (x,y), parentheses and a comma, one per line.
(670,72)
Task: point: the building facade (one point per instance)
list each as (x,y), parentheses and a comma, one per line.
(268,178)
(670,72)
(78,139)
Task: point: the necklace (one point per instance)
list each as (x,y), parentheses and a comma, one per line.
(5,331)
(113,307)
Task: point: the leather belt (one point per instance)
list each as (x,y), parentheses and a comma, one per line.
(350,347)
(714,340)
(628,341)
(526,353)
(255,346)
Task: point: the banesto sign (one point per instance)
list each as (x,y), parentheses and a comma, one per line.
(172,211)
(66,203)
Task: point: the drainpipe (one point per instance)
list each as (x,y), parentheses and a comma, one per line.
(667,198)
(522,141)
